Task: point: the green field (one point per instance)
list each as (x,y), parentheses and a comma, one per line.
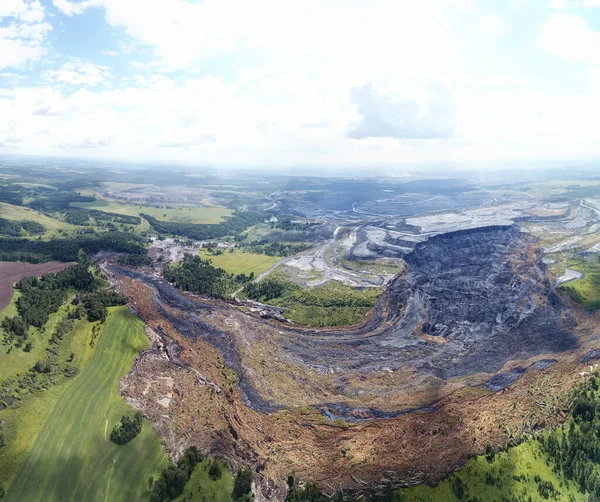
(19,361)
(72,458)
(510,476)
(202,488)
(20,213)
(181,215)
(584,291)
(241,262)
(332,304)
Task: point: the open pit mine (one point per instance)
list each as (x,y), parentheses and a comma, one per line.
(453,357)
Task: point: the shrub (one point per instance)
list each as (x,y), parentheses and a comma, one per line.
(127,429)
(214,470)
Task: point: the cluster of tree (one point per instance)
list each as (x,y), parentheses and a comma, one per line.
(276,248)
(173,478)
(42,296)
(97,303)
(232,225)
(10,196)
(243,278)
(2,434)
(81,216)
(127,429)
(45,372)
(16,228)
(13,249)
(199,275)
(134,260)
(242,487)
(307,493)
(265,290)
(58,200)
(575,449)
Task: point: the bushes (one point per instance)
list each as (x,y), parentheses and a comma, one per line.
(127,429)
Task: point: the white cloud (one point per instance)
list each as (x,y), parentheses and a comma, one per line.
(560,4)
(383,116)
(22,38)
(568,37)
(80,74)
(493,26)
(293,84)
(11,8)
(72,8)
(569,4)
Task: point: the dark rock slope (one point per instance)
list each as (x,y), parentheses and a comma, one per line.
(481,292)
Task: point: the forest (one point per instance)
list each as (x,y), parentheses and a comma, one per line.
(16,228)
(200,276)
(231,226)
(37,251)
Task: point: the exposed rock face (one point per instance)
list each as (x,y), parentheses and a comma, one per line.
(470,302)
(480,292)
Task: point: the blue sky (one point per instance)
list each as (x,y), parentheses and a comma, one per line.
(283,83)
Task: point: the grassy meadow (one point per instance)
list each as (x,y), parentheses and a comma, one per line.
(24,422)
(202,488)
(521,473)
(213,214)
(584,291)
(240,262)
(72,458)
(21,213)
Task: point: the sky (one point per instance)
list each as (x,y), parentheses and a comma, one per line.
(302,82)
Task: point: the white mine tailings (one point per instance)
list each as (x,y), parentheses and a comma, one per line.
(569,275)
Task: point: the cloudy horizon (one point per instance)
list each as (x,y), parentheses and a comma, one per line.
(311,83)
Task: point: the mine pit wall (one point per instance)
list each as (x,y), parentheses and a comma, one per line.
(244,436)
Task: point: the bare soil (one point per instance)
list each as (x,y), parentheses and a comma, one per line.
(13,272)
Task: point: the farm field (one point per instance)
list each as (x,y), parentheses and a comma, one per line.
(201,487)
(13,272)
(20,213)
(181,215)
(24,422)
(72,458)
(240,262)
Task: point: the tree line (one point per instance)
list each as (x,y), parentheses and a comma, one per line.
(232,225)
(16,228)
(200,276)
(34,251)
(575,448)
